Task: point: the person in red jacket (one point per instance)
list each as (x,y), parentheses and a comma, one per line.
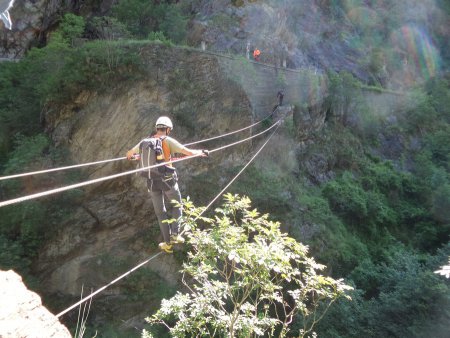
(256,54)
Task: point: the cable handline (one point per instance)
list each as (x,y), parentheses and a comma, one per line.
(60,168)
(123,158)
(245,139)
(159,253)
(230,133)
(107,285)
(240,172)
(101,179)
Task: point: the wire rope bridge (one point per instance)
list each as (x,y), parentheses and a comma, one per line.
(273,128)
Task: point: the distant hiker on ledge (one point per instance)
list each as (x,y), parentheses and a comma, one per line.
(256,54)
(280,96)
(162,184)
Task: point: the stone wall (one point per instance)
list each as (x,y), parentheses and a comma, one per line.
(22,313)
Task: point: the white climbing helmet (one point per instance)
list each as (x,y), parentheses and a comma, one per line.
(164,122)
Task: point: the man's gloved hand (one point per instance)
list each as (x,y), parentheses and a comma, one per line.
(205,153)
(130,155)
(200,153)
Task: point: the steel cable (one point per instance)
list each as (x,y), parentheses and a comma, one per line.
(60,168)
(101,179)
(230,133)
(44,171)
(159,253)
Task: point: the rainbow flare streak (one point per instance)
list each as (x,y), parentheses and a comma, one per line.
(420,49)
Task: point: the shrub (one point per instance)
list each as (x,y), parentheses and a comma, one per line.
(106,28)
(398,297)
(159,36)
(347,197)
(246,278)
(174,24)
(71,27)
(139,16)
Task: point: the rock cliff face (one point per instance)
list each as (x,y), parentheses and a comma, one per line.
(33,20)
(114,228)
(297,34)
(22,313)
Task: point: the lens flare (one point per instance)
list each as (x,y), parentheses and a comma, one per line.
(418,49)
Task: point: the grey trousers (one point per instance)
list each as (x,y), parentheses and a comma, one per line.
(165,209)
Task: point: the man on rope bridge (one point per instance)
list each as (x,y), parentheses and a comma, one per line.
(162,181)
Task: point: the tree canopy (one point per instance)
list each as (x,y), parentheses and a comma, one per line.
(245,277)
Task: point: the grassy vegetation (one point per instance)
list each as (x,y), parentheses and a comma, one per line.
(384,224)
(397,214)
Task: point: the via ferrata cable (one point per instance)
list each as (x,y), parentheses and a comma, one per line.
(105,178)
(277,124)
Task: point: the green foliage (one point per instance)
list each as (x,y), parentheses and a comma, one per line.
(441,203)
(26,226)
(107,28)
(439,91)
(54,74)
(432,161)
(23,229)
(329,236)
(19,103)
(141,17)
(356,205)
(420,116)
(347,197)
(437,144)
(380,197)
(159,36)
(400,297)
(344,93)
(27,152)
(71,27)
(397,294)
(381,176)
(174,24)
(242,271)
(12,256)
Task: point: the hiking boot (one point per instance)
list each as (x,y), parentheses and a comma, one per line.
(165,247)
(176,239)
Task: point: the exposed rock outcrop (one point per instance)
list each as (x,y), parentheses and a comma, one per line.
(22,314)
(33,20)
(114,227)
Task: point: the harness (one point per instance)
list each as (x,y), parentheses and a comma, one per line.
(155,150)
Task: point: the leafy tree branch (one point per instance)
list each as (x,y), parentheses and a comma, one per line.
(245,278)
